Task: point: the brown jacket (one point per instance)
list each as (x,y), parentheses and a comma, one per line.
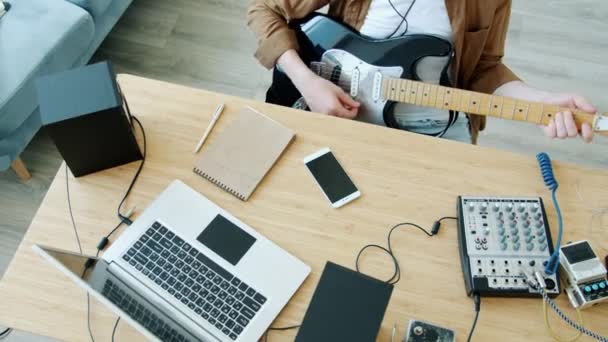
(479,26)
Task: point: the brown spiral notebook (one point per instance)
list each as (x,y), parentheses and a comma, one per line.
(239,158)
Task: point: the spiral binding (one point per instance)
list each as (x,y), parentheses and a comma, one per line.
(219,184)
(568,320)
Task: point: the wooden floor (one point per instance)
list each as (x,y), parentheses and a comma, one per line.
(559,45)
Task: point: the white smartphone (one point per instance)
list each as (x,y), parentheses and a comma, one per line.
(335,184)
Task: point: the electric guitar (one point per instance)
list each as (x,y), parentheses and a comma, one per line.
(381,72)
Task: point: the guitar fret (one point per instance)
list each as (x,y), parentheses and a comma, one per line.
(433,96)
(420,94)
(514,109)
(466,104)
(447,100)
(456,100)
(425,95)
(407,92)
(502,103)
(439,99)
(542,112)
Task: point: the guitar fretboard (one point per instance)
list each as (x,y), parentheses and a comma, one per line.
(430,95)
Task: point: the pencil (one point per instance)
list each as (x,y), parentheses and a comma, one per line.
(216,116)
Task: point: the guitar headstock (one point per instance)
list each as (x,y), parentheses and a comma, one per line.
(600,125)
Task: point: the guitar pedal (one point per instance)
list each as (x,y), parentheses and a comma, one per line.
(584,275)
(503,239)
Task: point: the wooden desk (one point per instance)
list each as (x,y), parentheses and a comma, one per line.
(402,177)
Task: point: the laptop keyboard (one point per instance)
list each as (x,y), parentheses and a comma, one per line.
(142,315)
(196,281)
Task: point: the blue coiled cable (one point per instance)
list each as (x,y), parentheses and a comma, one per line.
(546,170)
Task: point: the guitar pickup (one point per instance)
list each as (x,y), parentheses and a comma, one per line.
(354,83)
(377,86)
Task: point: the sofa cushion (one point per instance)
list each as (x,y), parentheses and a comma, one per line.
(95,7)
(37,37)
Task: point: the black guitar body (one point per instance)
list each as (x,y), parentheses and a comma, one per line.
(319,33)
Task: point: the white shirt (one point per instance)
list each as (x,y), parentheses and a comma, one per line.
(425,17)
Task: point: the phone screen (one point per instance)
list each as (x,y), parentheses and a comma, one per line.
(331,177)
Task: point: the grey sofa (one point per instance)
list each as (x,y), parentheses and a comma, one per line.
(38,37)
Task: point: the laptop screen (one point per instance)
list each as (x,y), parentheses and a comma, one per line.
(94,272)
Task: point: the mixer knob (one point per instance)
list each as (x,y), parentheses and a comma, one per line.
(542,239)
(535,207)
(509,206)
(503,238)
(496,207)
(529,238)
(526,224)
(484,206)
(542,247)
(500,214)
(525,215)
(486,231)
(514,231)
(513,224)
(515,239)
(540,233)
(501,231)
(537,216)
(471,206)
(521,207)
(503,246)
(529,246)
(512,215)
(527,232)
(516,246)
(500,223)
(538,224)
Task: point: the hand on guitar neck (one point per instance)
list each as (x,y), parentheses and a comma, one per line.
(322,96)
(563,125)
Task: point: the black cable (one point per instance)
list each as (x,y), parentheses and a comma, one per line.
(114,330)
(141,166)
(67,190)
(397,273)
(448,218)
(123,219)
(5,333)
(395,262)
(403,19)
(279,329)
(477,300)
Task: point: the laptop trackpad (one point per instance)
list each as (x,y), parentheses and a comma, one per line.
(226,239)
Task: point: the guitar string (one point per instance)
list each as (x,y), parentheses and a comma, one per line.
(346,85)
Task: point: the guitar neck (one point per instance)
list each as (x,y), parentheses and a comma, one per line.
(440,97)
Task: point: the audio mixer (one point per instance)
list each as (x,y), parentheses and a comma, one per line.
(504,240)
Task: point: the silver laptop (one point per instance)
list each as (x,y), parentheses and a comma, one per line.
(186,270)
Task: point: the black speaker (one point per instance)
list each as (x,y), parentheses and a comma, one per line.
(83,111)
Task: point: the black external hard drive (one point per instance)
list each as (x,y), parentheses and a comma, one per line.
(346,306)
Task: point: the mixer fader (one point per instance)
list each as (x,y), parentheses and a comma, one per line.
(503,239)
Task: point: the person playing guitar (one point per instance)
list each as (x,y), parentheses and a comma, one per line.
(476,29)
